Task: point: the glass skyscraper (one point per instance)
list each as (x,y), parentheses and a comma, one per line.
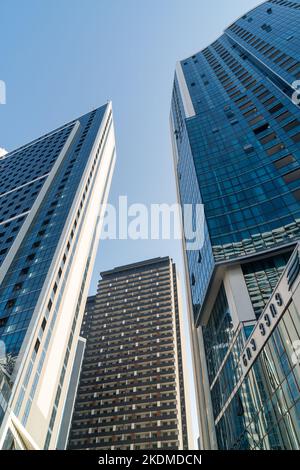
(235,125)
(53,193)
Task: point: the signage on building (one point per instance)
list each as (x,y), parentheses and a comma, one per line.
(271,314)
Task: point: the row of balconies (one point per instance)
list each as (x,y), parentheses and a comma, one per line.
(141,298)
(116,343)
(162,288)
(113,330)
(134,381)
(104,286)
(123,386)
(126,393)
(96,433)
(167,371)
(108,402)
(131,325)
(144,329)
(133,277)
(139,350)
(141,340)
(118,307)
(151,309)
(114,421)
(132,315)
(132,439)
(134,354)
(123,367)
(109,412)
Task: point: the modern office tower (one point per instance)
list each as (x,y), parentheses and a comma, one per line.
(235,124)
(53,194)
(131,392)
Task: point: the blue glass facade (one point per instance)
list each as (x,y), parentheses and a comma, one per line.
(264,412)
(21,287)
(245,135)
(201,263)
(56,188)
(236,132)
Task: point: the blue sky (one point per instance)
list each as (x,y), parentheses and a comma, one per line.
(60,58)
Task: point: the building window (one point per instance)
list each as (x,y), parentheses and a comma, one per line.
(292,176)
(282,162)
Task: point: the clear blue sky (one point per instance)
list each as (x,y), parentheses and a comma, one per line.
(60,58)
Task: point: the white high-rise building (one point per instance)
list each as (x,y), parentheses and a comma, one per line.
(53,192)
